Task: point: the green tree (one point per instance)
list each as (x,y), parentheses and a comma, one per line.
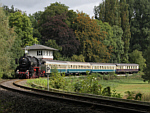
(53,10)
(88,33)
(124,13)
(35,19)
(137,57)
(108,11)
(23,28)
(7,37)
(116,12)
(140,24)
(108,41)
(118,45)
(146,75)
(53,44)
(105,27)
(16,52)
(8,10)
(79,58)
(57,29)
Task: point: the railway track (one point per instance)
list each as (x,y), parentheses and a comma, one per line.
(94,102)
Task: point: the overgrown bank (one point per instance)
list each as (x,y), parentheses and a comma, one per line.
(106,85)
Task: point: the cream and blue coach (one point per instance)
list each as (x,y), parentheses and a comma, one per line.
(102,67)
(66,66)
(78,67)
(53,65)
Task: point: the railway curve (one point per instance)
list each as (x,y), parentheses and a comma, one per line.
(90,101)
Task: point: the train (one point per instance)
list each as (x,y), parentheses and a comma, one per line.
(32,67)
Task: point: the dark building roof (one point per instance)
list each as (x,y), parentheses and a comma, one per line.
(39,47)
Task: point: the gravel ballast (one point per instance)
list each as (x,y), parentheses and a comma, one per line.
(14,102)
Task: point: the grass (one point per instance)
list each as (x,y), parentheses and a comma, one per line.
(119,84)
(132,85)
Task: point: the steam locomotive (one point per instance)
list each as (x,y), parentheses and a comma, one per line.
(29,67)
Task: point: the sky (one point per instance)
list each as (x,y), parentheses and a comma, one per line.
(32,6)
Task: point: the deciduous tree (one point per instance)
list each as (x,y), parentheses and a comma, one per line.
(57,29)
(137,57)
(91,37)
(118,45)
(53,44)
(7,37)
(140,24)
(126,29)
(23,28)
(108,11)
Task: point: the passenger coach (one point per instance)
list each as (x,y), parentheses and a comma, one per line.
(127,68)
(78,67)
(51,65)
(103,67)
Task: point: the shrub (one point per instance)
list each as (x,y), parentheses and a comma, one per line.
(134,96)
(130,95)
(106,91)
(115,94)
(57,81)
(77,86)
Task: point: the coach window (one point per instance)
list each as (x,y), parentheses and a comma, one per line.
(107,67)
(79,66)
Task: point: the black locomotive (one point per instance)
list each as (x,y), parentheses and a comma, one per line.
(29,67)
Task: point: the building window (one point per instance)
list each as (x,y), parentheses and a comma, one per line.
(43,52)
(39,53)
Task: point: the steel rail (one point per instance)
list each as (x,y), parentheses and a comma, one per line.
(93,102)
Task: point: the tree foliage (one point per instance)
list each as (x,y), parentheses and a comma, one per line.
(118,45)
(147,69)
(8,10)
(7,37)
(90,36)
(23,28)
(126,29)
(140,24)
(57,29)
(137,57)
(53,44)
(116,12)
(53,10)
(35,20)
(108,11)
(79,58)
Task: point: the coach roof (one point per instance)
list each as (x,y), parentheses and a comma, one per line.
(39,47)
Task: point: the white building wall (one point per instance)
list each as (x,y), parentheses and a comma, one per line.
(45,54)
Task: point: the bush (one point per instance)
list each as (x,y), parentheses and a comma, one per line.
(57,81)
(77,87)
(106,91)
(115,94)
(133,96)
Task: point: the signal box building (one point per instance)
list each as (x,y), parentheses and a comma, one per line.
(40,51)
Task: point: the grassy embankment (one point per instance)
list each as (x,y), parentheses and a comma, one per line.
(120,85)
